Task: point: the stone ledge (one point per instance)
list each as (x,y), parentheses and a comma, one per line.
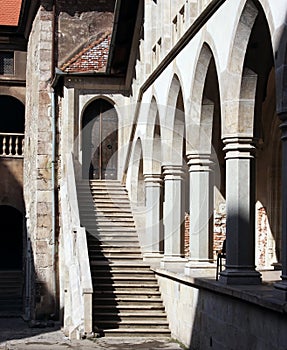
(263,295)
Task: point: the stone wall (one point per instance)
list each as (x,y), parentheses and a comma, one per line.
(38,163)
(79,22)
(11,191)
(203,319)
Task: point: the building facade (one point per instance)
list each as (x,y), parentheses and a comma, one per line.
(182,102)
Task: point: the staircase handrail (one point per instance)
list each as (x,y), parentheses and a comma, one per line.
(79,312)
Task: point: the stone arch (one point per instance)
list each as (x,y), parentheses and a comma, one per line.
(153,140)
(137,187)
(99,132)
(12,237)
(15,108)
(231,94)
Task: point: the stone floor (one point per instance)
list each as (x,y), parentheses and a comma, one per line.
(15,334)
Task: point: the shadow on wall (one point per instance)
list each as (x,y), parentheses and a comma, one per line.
(23,295)
(224,322)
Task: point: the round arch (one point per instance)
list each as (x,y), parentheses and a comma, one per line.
(15,109)
(11,248)
(99,131)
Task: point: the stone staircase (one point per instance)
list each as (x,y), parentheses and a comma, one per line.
(11,288)
(126,300)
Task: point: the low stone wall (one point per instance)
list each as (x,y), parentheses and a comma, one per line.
(204,318)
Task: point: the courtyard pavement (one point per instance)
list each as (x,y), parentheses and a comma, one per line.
(15,334)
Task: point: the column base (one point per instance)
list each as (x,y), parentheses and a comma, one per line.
(237,277)
(153,258)
(204,267)
(173,263)
(282,287)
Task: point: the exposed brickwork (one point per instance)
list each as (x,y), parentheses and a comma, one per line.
(92,58)
(219,229)
(186,235)
(262,234)
(10,11)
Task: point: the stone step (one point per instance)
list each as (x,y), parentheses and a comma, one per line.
(131,316)
(114,257)
(127,301)
(135,324)
(125,288)
(110,249)
(117,280)
(136,332)
(126,297)
(123,273)
(126,294)
(149,310)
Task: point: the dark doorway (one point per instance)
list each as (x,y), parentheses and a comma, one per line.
(11,247)
(100,141)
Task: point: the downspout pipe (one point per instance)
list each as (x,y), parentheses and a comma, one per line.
(53,163)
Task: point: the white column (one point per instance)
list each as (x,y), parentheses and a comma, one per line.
(173,215)
(153,243)
(240,213)
(282,285)
(201,199)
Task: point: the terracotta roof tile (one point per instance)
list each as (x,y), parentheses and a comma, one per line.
(9,12)
(92,58)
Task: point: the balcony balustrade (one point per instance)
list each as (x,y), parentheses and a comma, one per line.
(11,145)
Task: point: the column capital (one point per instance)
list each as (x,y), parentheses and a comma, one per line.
(173,171)
(153,179)
(283,126)
(239,147)
(199,162)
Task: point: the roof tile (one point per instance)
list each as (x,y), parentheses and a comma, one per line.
(9,12)
(92,58)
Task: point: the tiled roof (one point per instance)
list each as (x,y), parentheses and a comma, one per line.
(92,58)
(9,12)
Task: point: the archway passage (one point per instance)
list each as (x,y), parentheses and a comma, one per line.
(11,247)
(14,110)
(100,141)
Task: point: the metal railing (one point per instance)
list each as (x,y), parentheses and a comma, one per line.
(11,145)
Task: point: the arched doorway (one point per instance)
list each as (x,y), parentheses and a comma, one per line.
(100,141)
(11,247)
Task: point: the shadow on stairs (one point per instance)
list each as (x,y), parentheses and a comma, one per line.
(126,299)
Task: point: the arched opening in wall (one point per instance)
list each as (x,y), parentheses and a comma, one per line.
(179,148)
(212,98)
(259,61)
(137,189)
(11,125)
(11,248)
(100,141)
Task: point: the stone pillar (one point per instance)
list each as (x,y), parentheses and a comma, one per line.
(153,244)
(173,215)
(240,213)
(282,285)
(201,199)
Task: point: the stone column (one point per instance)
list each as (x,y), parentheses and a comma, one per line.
(240,213)
(173,215)
(153,244)
(282,285)
(201,199)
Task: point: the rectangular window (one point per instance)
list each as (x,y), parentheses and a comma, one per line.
(6,63)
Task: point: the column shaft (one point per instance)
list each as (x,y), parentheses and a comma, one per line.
(153,245)
(282,285)
(201,208)
(240,211)
(174,213)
